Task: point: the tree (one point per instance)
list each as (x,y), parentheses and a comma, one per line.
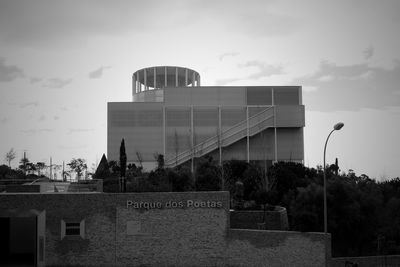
(157,181)
(30,168)
(56,168)
(78,166)
(103,170)
(160,160)
(252,181)
(180,179)
(23,164)
(122,163)
(10,156)
(122,158)
(233,172)
(40,166)
(207,175)
(113,165)
(307,209)
(8,173)
(139,158)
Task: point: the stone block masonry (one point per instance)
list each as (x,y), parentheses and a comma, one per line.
(251,219)
(158,229)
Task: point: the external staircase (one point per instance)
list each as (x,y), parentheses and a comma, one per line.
(249,127)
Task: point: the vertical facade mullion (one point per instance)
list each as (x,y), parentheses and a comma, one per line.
(164,134)
(220,135)
(273,96)
(145,80)
(275,136)
(191,137)
(186,77)
(275,131)
(139,84)
(134,84)
(176,77)
(248,134)
(155,78)
(165,77)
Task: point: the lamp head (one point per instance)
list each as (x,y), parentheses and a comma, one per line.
(338,126)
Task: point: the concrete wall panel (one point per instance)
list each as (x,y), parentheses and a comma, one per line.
(205,96)
(290,116)
(290,144)
(140,124)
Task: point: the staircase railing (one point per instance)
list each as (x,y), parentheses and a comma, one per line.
(255,124)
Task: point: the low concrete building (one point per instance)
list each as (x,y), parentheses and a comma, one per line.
(142,229)
(46,186)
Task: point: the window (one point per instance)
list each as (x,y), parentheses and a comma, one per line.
(73,229)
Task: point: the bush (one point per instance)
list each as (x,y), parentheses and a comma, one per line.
(208,176)
(180,179)
(111,184)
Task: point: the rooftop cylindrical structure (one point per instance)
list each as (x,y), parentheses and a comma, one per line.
(163,76)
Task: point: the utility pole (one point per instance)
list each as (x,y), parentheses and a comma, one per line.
(51,165)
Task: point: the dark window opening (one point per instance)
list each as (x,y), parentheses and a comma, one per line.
(72,229)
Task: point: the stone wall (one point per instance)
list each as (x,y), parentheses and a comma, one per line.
(253,219)
(372,261)
(97,209)
(16,188)
(174,235)
(159,229)
(274,248)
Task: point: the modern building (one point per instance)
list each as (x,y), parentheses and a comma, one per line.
(172,114)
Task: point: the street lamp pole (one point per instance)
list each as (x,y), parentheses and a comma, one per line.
(336,127)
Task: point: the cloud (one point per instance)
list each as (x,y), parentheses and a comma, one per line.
(3,120)
(56,118)
(229,54)
(261,70)
(9,73)
(42,118)
(35,131)
(74,147)
(98,72)
(57,83)
(29,104)
(221,82)
(368,52)
(254,18)
(264,70)
(79,130)
(351,87)
(42,23)
(309,89)
(34,80)
(326,78)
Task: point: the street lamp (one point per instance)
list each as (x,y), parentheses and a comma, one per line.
(336,127)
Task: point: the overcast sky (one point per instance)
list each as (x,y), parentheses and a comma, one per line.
(62,61)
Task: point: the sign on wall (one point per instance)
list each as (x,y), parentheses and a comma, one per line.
(147,205)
